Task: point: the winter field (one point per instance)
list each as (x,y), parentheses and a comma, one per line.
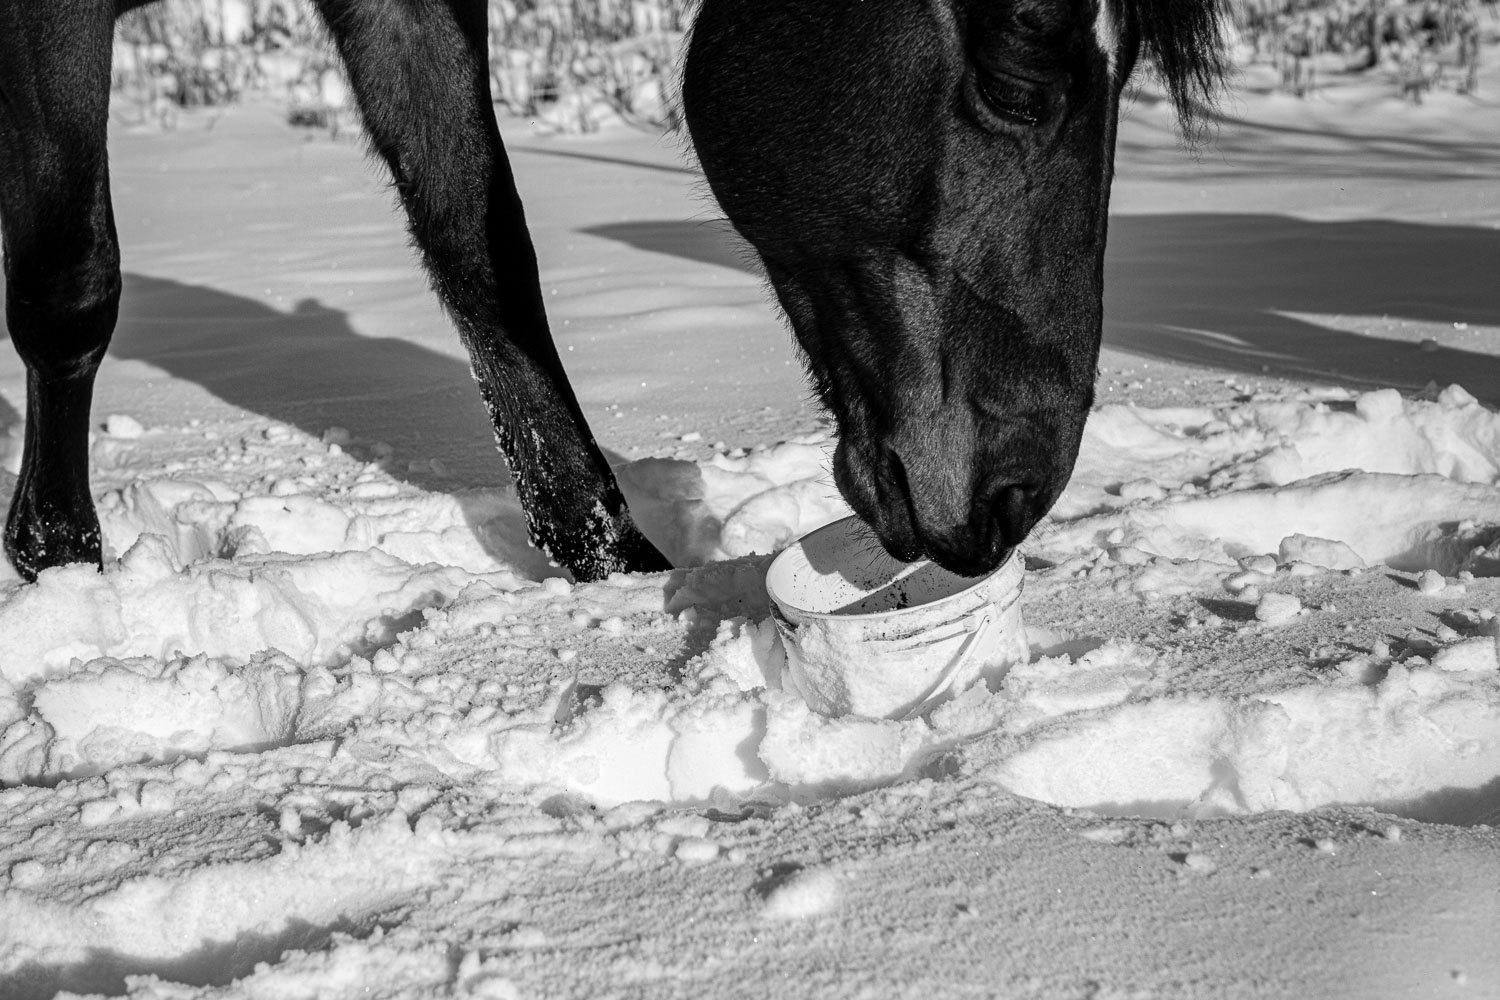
(327,727)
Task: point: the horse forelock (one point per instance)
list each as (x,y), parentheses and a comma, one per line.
(1185,39)
(1107,36)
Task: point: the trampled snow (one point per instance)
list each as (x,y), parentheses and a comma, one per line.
(328,726)
(272,617)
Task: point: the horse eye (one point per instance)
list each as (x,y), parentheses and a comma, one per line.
(1020,101)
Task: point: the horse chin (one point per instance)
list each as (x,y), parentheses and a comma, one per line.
(972,565)
(889,514)
(958,560)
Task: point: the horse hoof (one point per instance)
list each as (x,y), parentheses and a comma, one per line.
(640,556)
(618,548)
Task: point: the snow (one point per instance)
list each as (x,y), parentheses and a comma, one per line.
(804,894)
(327,726)
(1277,609)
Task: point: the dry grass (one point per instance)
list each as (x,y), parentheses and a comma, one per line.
(568,63)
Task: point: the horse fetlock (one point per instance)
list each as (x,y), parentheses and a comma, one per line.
(41,535)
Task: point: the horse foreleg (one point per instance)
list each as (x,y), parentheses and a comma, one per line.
(62,261)
(419,70)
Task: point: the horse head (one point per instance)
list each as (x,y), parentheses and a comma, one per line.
(927,185)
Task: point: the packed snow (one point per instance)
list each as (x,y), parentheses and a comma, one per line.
(328,726)
(248,615)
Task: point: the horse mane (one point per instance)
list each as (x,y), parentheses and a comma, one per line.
(1185,40)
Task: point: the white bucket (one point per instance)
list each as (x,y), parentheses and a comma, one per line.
(868,635)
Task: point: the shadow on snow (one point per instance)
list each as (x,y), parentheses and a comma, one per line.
(214,963)
(1217,290)
(310,368)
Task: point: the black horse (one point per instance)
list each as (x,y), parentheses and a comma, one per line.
(926,182)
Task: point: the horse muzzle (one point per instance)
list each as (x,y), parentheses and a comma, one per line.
(963,500)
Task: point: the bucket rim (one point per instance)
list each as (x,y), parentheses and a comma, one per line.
(1010,567)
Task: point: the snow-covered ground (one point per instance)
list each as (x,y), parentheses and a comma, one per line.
(328,727)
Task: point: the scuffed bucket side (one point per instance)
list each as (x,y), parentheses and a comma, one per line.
(903,665)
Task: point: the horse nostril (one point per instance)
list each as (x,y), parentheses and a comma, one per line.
(899,482)
(895,468)
(906,501)
(1011,510)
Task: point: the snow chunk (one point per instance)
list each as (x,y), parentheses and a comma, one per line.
(636,745)
(729,507)
(314,609)
(118,425)
(1416,730)
(748,653)
(1431,582)
(1473,655)
(810,892)
(1286,445)
(1323,552)
(1200,864)
(696,850)
(1404,521)
(120,712)
(1380,406)
(1278,609)
(1055,685)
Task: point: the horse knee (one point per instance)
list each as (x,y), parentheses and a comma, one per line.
(62,269)
(61,321)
